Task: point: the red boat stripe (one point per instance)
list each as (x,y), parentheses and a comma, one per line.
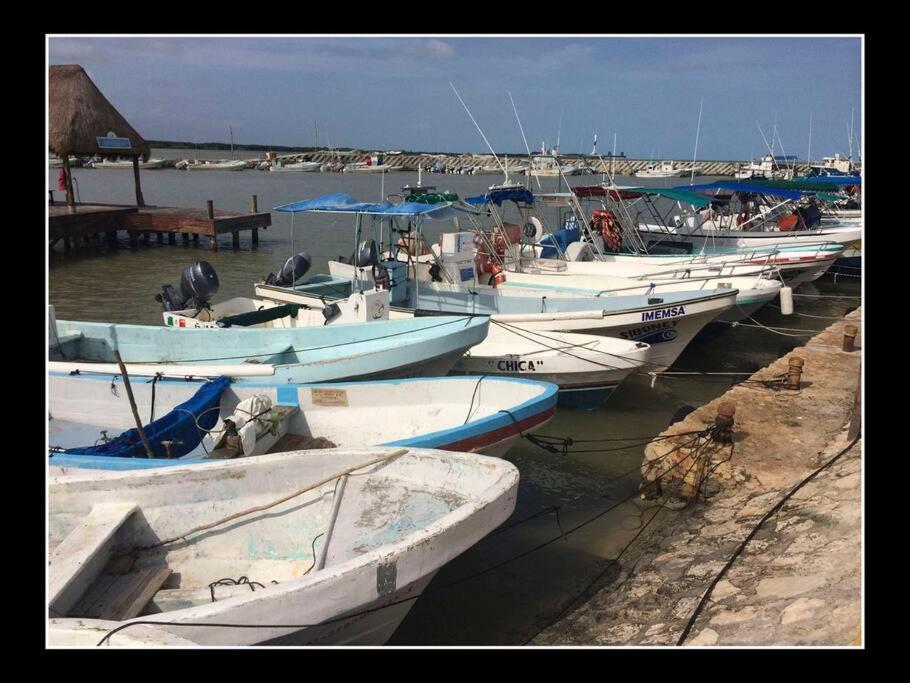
(476,443)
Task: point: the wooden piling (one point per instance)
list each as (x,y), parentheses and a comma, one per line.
(171,238)
(235,240)
(254,208)
(856,418)
(185,236)
(134,239)
(139,200)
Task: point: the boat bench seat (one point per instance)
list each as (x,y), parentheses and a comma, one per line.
(76,562)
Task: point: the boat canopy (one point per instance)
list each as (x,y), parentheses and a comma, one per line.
(840,179)
(343,203)
(499,195)
(740,187)
(800,184)
(679,195)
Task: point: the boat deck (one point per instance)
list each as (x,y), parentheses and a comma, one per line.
(87,221)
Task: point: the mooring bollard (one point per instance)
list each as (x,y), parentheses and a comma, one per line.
(850,332)
(724,422)
(795,371)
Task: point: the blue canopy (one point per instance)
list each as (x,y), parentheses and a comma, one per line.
(344,203)
(739,187)
(840,179)
(179,426)
(498,196)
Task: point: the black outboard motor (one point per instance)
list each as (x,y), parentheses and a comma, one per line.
(198,283)
(367,254)
(292,270)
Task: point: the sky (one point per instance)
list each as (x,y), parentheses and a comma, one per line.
(394,93)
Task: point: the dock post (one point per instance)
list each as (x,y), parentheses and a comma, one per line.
(195,238)
(254,208)
(66,243)
(724,422)
(146,236)
(160,237)
(171,238)
(213,238)
(185,237)
(112,238)
(795,371)
(51,194)
(140,201)
(134,239)
(235,240)
(850,332)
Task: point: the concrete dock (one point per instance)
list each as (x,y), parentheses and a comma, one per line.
(798,580)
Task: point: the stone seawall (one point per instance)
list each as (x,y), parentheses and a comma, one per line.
(798,581)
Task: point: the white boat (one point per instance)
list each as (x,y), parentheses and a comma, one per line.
(586,368)
(299,167)
(322,547)
(666,169)
(469,414)
(128,164)
(768,167)
(86,633)
(373,164)
(236,165)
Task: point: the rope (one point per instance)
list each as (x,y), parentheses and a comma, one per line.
(266,506)
(807,315)
(742,546)
(776,330)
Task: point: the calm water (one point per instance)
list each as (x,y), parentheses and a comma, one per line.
(512,603)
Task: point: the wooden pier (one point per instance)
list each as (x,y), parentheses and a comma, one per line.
(87,222)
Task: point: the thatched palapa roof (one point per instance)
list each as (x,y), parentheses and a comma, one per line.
(78,114)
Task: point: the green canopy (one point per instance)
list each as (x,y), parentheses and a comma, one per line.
(678,195)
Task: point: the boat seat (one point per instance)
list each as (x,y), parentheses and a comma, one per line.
(116,597)
(80,557)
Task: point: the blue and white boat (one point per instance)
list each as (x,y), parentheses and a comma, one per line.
(667,321)
(92,425)
(412,347)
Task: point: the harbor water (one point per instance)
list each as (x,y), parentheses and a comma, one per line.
(484,596)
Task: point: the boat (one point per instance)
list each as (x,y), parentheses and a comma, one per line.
(566,266)
(769,167)
(370,350)
(85,633)
(327,547)
(236,165)
(413,293)
(667,169)
(586,368)
(298,167)
(470,414)
(611,236)
(765,217)
(373,164)
(128,164)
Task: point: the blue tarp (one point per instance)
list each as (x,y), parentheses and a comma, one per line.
(178,426)
(344,203)
(515,194)
(739,187)
(564,238)
(839,179)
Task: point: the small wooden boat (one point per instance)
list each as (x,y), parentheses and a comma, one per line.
(471,414)
(373,350)
(299,167)
(586,368)
(309,547)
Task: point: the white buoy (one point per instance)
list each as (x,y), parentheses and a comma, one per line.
(786,300)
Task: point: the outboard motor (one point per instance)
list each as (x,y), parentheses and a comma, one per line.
(292,270)
(198,283)
(367,254)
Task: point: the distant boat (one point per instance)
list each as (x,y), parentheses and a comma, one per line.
(768,167)
(128,164)
(666,169)
(299,167)
(236,165)
(373,164)
(338,542)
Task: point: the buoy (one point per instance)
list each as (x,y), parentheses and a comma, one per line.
(786,300)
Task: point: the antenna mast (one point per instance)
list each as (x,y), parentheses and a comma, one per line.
(480,131)
(697,131)
(527,147)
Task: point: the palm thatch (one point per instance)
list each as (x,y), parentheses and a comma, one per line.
(78,114)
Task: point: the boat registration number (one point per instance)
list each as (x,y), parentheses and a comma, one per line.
(660,314)
(329,397)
